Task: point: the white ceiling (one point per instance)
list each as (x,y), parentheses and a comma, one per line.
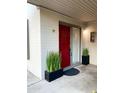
(83,10)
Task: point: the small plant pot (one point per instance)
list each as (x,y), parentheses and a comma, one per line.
(50,76)
(85,60)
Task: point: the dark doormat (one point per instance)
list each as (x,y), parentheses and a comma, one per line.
(71,72)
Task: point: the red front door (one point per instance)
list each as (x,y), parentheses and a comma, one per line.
(64,45)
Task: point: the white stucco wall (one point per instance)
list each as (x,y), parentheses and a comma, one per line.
(34,64)
(49,39)
(87,44)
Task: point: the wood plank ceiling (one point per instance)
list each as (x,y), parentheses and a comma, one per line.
(82,10)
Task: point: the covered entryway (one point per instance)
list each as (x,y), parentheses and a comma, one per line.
(44,23)
(62,26)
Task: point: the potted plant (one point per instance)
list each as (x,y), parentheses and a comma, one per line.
(54,70)
(85,56)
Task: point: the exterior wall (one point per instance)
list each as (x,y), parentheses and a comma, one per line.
(49,38)
(87,44)
(34,64)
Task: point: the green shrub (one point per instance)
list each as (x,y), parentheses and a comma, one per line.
(53,61)
(85,52)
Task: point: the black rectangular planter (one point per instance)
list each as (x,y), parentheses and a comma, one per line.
(85,60)
(50,76)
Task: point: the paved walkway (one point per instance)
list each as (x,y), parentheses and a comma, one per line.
(31,79)
(84,82)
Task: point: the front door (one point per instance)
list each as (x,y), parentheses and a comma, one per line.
(64,45)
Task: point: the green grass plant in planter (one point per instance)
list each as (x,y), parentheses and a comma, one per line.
(85,56)
(53,62)
(54,70)
(85,52)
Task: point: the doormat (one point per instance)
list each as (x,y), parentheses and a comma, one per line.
(71,72)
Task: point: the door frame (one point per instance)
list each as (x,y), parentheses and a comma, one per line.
(80,45)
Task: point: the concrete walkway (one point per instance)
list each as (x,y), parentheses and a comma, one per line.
(31,79)
(84,82)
